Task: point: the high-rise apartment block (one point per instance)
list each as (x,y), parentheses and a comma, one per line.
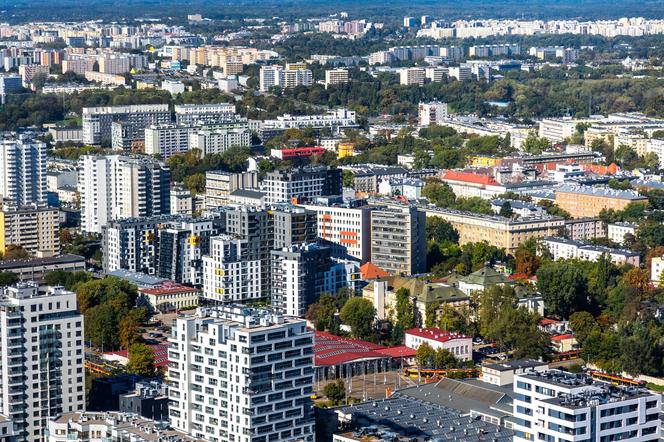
(434,112)
(398,240)
(293,76)
(167,140)
(301,273)
(241,374)
(229,274)
(36,228)
(22,170)
(41,336)
(299,185)
(293,225)
(345,226)
(116,187)
(166,246)
(412,76)
(219,185)
(335,76)
(98,121)
(211,141)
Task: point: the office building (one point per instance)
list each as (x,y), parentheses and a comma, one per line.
(212,141)
(344,226)
(556,405)
(98,121)
(398,240)
(100,426)
(35,228)
(412,76)
(167,140)
(22,170)
(41,333)
(148,400)
(219,185)
(116,187)
(432,113)
(193,114)
(254,385)
(302,184)
(587,201)
(229,275)
(277,76)
(302,273)
(335,76)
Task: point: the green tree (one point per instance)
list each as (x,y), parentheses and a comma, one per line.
(563,287)
(8,278)
(535,145)
(506,210)
(101,327)
(491,302)
(359,314)
(440,230)
(425,355)
(326,309)
(439,193)
(335,391)
(13,251)
(141,361)
(129,332)
(443,358)
(405,309)
(582,324)
(195,183)
(526,259)
(67,279)
(516,329)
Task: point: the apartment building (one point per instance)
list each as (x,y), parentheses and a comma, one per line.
(398,240)
(182,202)
(98,121)
(583,229)
(335,120)
(276,76)
(219,185)
(587,201)
(302,273)
(170,247)
(229,275)
(563,248)
(557,130)
(167,140)
(556,405)
(335,76)
(461,73)
(116,187)
(41,334)
(34,227)
(412,76)
(434,112)
(22,170)
(293,225)
(483,51)
(345,226)
(241,374)
(101,426)
(8,85)
(617,231)
(193,114)
(496,230)
(656,269)
(211,141)
(301,184)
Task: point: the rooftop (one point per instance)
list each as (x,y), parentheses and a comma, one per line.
(516,364)
(601,192)
(36,262)
(435,334)
(330,350)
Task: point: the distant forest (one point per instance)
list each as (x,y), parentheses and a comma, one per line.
(14,11)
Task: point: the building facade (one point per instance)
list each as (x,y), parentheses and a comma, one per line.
(22,170)
(398,240)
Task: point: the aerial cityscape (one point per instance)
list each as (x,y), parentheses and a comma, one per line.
(331,221)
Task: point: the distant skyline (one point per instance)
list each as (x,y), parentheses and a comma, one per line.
(24,10)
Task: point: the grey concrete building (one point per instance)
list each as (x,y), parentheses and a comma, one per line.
(398,240)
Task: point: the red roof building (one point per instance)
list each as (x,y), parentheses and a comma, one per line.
(461,346)
(160,352)
(469,177)
(371,271)
(297,152)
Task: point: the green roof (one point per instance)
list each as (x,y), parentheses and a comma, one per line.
(486,276)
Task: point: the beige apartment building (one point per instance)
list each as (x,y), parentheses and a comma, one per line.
(588,201)
(36,229)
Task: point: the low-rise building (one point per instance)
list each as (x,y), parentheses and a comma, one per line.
(503,373)
(459,345)
(616,231)
(37,268)
(169,297)
(563,248)
(587,201)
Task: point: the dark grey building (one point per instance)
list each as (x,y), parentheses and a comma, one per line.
(398,240)
(149,400)
(293,225)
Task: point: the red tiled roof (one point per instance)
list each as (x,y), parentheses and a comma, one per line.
(302,152)
(330,349)
(160,352)
(469,177)
(562,337)
(372,271)
(435,334)
(548,321)
(399,352)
